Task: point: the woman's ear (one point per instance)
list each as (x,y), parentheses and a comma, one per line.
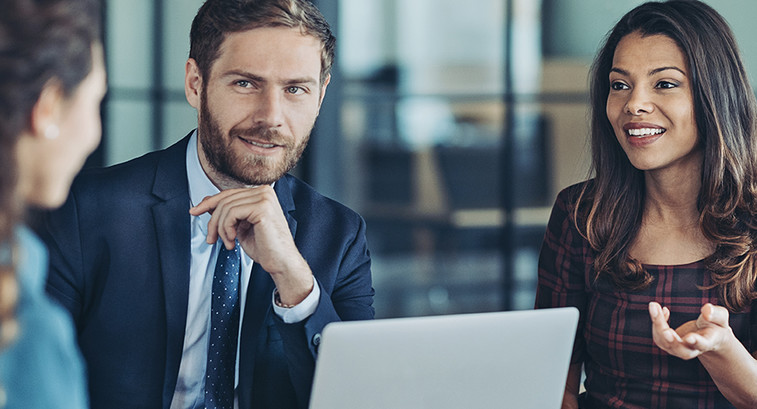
(46,113)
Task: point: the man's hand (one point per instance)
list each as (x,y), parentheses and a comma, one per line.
(254,217)
(707,333)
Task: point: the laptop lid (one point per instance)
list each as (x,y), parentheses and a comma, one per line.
(514,359)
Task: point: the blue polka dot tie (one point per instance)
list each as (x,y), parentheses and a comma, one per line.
(224,327)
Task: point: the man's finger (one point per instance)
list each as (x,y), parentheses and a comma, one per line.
(209,203)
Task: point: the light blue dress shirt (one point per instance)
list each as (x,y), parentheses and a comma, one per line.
(42,367)
(190,385)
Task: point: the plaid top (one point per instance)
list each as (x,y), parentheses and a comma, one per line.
(624,369)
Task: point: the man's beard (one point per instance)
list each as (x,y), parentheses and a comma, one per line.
(249,169)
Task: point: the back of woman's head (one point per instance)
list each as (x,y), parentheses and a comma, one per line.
(42,42)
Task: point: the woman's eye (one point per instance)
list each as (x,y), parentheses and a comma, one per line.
(617,86)
(666,84)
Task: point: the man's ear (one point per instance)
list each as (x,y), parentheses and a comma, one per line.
(46,112)
(193,83)
(323,89)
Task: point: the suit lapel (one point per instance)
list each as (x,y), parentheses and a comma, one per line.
(258,305)
(172,228)
(283,191)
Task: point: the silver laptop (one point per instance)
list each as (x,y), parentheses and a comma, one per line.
(515,359)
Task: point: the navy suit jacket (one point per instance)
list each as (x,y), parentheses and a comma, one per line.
(120,257)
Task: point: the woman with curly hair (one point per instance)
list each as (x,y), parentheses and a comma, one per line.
(52,80)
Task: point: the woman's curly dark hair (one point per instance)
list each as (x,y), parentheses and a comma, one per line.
(41,41)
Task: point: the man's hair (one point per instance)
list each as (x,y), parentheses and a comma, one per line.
(217,18)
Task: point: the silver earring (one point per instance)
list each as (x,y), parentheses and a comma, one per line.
(52,131)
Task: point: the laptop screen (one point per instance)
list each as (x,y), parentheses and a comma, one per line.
(514,359)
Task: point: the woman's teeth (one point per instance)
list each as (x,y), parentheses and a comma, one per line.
(641,132)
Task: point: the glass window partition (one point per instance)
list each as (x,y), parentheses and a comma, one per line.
(424,118)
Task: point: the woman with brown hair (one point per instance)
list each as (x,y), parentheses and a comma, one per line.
(52,79)
(668,219)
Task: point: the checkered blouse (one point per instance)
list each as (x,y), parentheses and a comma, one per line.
(624,369)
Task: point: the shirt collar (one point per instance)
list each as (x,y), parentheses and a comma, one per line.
(200,185)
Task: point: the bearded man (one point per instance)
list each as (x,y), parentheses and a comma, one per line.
(202,275)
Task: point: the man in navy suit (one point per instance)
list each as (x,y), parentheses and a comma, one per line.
(134,250)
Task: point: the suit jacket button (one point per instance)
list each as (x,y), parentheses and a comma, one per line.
(317,339)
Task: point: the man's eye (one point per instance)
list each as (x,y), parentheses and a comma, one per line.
(244,83)
(294,90)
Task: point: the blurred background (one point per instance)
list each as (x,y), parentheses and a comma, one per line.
(450,125)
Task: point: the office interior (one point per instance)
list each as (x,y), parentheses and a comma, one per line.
(449,125)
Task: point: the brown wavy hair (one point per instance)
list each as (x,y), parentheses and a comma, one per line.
(41,42)
(609,210)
